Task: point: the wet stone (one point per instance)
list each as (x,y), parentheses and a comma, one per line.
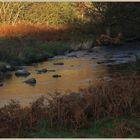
(31,81)
(101,62)
(56,76)
(40,71)
(59,63)
(22,73)
(1,84)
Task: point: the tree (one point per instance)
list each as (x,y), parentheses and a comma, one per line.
(10,12)
(117,15)
(50,13)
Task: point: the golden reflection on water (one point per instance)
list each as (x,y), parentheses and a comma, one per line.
(76,73)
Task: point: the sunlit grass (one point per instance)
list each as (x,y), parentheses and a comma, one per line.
(44,32)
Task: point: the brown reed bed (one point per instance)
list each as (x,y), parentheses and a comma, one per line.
(73,111)
(41,31)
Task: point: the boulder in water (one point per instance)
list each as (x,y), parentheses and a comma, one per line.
(101,62)
(10,67)
(41,71)
(22,73)
(1,84)
(56,76)
(59,63)
(31,81)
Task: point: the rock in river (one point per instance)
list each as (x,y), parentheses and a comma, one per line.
(1,84)
(101,62)
(22,73)
(31,81)
(73,55)
(41,71)
(59,63)
(56,76)
(10,67)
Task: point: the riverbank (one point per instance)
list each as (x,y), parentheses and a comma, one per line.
(109,110)
(14,54)
(24,44)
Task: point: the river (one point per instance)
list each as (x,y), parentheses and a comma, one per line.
(80,69)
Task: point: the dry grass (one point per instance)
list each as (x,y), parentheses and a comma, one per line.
(40,31)
(122,129)
(111,99)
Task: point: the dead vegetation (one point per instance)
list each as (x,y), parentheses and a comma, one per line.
(122,129)
(40,31)
(111,99)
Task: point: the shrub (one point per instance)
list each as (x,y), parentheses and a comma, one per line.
(108,100)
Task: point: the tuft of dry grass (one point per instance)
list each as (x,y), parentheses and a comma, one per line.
(110,99)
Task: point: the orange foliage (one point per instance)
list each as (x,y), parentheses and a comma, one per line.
(40,31)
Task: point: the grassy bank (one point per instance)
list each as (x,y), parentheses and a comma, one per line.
(27,43)
(91,112)
(29,50)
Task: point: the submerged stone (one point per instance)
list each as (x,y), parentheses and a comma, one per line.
(22,73)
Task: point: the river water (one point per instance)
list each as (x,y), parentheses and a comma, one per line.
(80,69)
